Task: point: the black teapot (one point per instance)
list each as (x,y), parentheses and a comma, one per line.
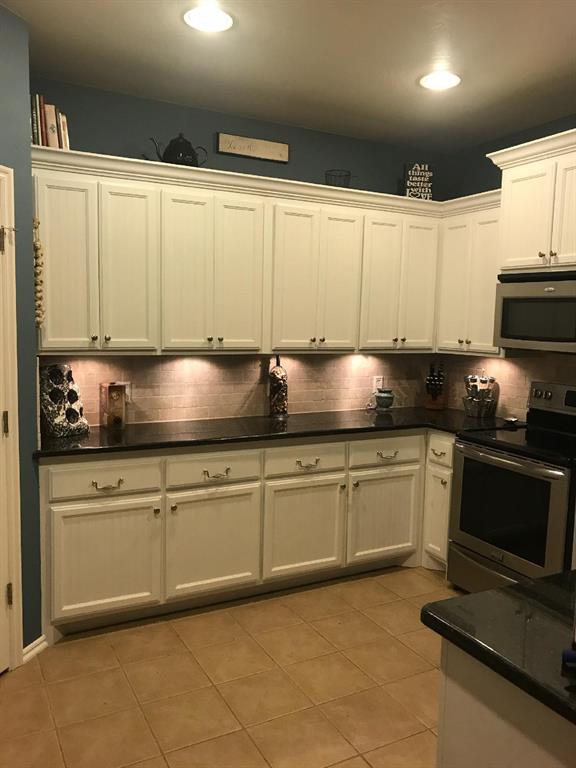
(180,151)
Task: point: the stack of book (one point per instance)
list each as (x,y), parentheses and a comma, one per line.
(49,125)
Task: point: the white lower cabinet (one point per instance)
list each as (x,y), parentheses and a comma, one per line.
(212,538)
(304,524)
(106,555)
(437,511)
(383,512)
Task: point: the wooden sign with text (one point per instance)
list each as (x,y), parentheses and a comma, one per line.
(264,150)
(418,180)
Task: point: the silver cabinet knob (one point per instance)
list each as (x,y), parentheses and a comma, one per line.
(210,338)
(460,341)
(156,511)
(220,338)
(468,341)
(107,338)
(343,486)
(541,255)
(356,483)
(444,482)
(173,507)
(322,339)
(403,339)
(395,340)
(94,337)
(312,339)
(553,254)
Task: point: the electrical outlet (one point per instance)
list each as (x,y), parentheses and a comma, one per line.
(377,382)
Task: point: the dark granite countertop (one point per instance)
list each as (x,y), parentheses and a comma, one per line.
(177,434)
(518,631)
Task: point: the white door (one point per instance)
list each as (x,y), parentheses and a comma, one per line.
(485,262)
(383,509)
(454,280)
(212,539)
(238,264)
(380,281)
(295,292)
(187,270)
(527,205)
(437,510)
(418,285)
(339,279)
(106,556)
(67,208)
(304,524)
(564,226)
(129,265)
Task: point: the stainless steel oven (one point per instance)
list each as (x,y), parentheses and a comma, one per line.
(536,311)
(508,517)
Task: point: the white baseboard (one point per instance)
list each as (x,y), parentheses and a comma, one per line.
(34,648)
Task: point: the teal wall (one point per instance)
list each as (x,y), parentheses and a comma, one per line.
(15,153)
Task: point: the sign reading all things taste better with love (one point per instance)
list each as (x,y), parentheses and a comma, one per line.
(243,145)
(418,180)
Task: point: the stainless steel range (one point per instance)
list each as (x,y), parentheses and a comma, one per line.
(512,509)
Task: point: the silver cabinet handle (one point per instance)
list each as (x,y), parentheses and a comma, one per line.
(356,483)
(553,254)
(386,457)
(403,339)
(94,337)
(438,453)
(541,255)
(313,465)
(216,475)
(460,341)
(107,337)
(173,507)
(322,339)
(156,511)
(395,340)
(109,487)
(444,482)
(312,339)
(468,341)
(220,338)
(210,338)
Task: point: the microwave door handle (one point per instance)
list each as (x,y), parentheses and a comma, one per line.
(534,470)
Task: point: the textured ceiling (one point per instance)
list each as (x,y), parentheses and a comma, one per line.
(343,66)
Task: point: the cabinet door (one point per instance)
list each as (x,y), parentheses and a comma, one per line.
(187,270)
(564,227)
(295,294)
(484,267)
(67,207)
(380,281)
(339,279)
(383,509)
(129,265)
(304,524)
(105,556)
(437,510)
(527,204)
(418,285)
(454,276)
(212,539)
(238,263)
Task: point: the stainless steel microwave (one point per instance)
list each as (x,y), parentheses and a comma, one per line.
(536,311)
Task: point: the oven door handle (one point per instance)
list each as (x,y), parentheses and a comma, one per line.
(531,468)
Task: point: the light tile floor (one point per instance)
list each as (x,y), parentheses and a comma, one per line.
(342,674)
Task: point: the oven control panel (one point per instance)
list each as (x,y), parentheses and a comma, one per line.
(548,396)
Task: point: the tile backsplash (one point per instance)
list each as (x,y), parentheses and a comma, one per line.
(181,388)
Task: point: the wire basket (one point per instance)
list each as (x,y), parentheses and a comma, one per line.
(338,178)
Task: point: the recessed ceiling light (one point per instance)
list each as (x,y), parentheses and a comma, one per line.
(208,18)
(440,80)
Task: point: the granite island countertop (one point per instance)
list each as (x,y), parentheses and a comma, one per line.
(214,432)
(518,631)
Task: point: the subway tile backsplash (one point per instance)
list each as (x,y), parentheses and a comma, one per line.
(182,388)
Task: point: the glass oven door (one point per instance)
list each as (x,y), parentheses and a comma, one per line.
(537,315)
(509,509)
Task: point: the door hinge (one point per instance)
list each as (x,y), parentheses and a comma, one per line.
(3,230)
(5,423)
(10,593)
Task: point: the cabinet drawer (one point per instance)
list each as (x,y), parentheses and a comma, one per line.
(212,468)
(104,479)
(305,459)
(440,449)
(387,450)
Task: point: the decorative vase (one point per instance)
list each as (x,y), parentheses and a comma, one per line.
(384,398)
(278,390)
(61,409)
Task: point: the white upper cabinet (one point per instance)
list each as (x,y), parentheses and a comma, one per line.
(468,275)
(564,224)
(398,284)
(295,292)
(187,269)
(67,208)
(238,266)
(129,265)
(339,279)
(418,285)
(381,281)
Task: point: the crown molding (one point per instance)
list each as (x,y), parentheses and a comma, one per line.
(540,149)
(482,201)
